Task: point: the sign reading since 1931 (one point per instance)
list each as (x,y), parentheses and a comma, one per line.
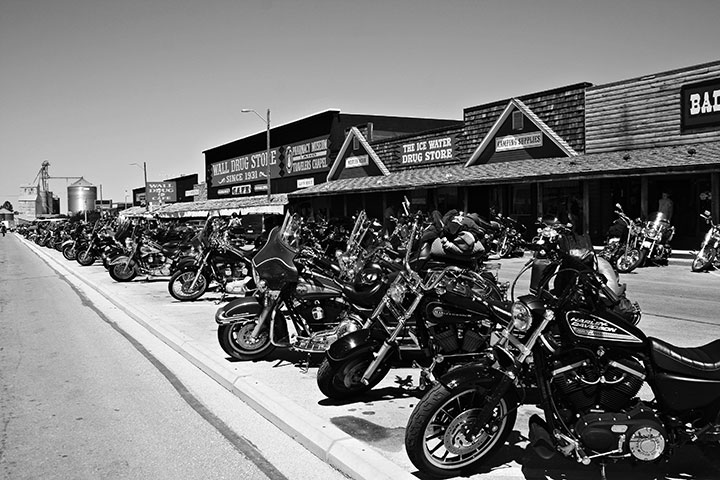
(300,158)
(701,104)
(426,151)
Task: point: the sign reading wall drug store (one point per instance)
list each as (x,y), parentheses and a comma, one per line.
(427,151)
(701,104)
(300,158)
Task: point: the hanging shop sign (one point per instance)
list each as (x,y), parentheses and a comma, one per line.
(305,182)
(427,151)
(519,142)
(299,158)
(161,192)
(357,161)
(241,189)
(701,104)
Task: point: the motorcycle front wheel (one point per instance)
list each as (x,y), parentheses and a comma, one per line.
(180,283)
(703,259)
(443,438)
(505,247)
(629,260)
(341,380)
(85,258)
(236,340)
(69,252)
(122,272)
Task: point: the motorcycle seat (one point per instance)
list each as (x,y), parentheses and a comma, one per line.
(699,362)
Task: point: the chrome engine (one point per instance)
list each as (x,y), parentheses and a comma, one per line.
(598,394)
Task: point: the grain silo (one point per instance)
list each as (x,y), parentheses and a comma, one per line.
(81,196)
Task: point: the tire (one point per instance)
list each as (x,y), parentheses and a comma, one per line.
(341,380)
(122,272)
(703,259)
(235,340)
(85,258)
(436,435)
(505,247)
(629,260)
(180,282)
(69,252)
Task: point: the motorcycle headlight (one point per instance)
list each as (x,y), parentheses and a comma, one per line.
(522,317)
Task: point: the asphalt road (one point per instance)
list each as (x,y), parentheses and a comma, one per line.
(81,398)
(679,307)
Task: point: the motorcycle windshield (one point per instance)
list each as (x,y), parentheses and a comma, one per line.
(273,263)
(657,218)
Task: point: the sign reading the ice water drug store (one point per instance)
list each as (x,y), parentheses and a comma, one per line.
(701,104)
(161,192)
(427,151)
(518,142)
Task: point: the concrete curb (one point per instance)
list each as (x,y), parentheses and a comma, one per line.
(323,439)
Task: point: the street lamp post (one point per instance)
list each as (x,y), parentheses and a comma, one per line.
(267,146)
(144,167)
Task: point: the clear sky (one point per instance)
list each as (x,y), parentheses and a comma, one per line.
(93,86)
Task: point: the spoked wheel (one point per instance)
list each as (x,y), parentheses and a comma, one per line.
(85,258)
(504,248)
(340,380)
(629,260)
(703,259)
(236,340)
(69,252)
(443,437)
(181,288)
(122,272)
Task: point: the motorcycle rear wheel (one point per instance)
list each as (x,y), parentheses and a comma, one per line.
(122,272)
(85,258)
(629,260)
(235,340)
(341,380)
(437,438)
(703,259)
(69,252)
(179,286)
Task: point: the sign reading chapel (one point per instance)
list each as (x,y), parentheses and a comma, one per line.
(427,151)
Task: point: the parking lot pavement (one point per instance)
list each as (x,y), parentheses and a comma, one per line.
(364,438)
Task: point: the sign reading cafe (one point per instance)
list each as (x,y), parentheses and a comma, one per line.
(427,151)
(300,158)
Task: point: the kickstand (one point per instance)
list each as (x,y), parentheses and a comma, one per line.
(304,364)
(603,475)
(222,298)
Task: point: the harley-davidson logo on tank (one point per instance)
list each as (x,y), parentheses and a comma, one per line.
(590,326)
(300,158)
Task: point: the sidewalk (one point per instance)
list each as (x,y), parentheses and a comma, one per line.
(363,438)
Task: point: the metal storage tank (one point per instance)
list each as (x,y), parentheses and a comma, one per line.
(81,196)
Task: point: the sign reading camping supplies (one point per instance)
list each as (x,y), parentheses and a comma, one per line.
(518,142)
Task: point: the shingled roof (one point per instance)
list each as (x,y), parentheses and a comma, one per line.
(223,206)
(673,159)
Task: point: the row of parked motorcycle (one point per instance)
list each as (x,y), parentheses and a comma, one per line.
(366,300)
(632,243)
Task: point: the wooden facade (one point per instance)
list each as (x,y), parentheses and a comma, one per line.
(644,112)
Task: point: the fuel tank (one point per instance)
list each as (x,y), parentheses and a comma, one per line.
(605,329)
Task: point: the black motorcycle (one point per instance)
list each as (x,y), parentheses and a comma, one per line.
(445,311)
(622,242)
(222,261)
(296,297)
(508,240)
(100,244)
(589,363)
(707,256)
(148,252)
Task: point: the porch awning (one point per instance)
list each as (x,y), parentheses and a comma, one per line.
(672,159)
(225,207)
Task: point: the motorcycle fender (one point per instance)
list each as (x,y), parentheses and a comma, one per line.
(67,242)
(120,259)
(354,344)
(238,310)
(479,374)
